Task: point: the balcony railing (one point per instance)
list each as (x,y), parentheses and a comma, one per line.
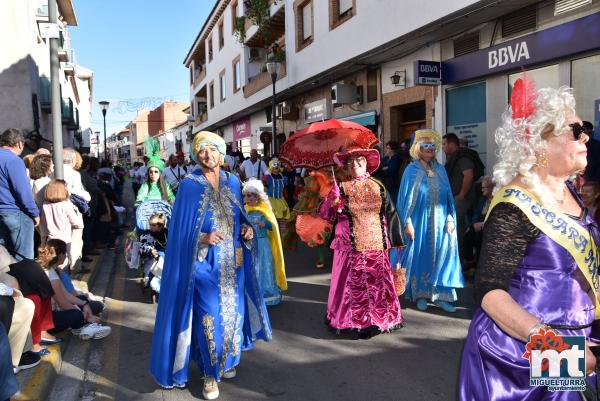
(263,80)
(44,95)
(68,117)
(200,119)
(63,47)
(199,77)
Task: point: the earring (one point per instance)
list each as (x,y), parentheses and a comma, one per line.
(542,160)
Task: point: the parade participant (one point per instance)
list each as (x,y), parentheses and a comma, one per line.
(271,267)
(426,208)
(211,306)
(155,187)
(362,295)
(275,183)
(531,273)
(175,172)
(152,249)
(253,167)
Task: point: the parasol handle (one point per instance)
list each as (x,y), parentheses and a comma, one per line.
(333,175)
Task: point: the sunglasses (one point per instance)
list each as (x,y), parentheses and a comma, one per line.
(155,224)
(577,130)
(153,172)
(427,146)
(357,159)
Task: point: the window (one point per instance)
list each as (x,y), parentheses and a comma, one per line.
(221,35)
(466,116)
(340,11)
(519,22)
(234,15)
(585,80)
(371,85)
(211,90)
(304,23)
(237,75)
(210,49)
(222,85)
(466,44)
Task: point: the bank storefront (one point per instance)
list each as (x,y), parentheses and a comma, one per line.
(478,85)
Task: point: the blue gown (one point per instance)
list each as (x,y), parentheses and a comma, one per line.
(266,270)
(431,260)
(211,306)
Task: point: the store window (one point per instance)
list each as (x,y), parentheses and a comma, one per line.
(585,80)
(465,115)
(545,77)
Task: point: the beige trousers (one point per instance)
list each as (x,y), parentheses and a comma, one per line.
(20,328)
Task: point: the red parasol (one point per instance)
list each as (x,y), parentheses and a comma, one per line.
(314,146)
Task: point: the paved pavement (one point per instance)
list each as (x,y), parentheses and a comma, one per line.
(304,361)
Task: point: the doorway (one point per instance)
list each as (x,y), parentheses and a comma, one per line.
(406,119)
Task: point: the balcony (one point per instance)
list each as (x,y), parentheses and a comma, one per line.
(44,95)
(63,48)
(67,111)
(200,119)
(262,80)
(199,76)
(277,11)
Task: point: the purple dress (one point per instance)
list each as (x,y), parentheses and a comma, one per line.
(546,281)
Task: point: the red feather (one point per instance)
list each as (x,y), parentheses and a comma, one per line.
(522,101)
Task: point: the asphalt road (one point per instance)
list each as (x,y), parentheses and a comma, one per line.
(305,361)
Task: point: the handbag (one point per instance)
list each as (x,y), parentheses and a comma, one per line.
(399,280)
(80,204)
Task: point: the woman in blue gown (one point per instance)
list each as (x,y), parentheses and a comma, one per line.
(426,209)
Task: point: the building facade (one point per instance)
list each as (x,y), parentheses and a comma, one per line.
(25,76)
(395,68)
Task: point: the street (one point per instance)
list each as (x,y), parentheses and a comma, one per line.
(305,361)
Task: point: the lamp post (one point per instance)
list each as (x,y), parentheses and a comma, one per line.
(97,144)
(104,106)
(273,68)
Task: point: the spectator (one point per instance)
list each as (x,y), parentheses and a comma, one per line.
(8,381)
(464,168)
(22,315)
(18,212)
(174,173)
(590,194)
(40,172)
(27,160)
(72,176)
(89,167)
(59,215)
(390,165)
(592,171)
(136,180)
(474,234)
(71,312)
(253,167)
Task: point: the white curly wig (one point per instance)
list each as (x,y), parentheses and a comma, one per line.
(521,141)
(255,186)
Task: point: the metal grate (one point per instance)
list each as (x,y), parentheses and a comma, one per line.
(466,44)
(520,21)
(566,6)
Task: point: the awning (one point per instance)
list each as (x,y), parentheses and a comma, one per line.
(367,118)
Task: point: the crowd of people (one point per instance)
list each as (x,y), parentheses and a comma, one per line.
(401,224)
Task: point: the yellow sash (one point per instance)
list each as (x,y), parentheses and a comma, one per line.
(559,227)
(275,241)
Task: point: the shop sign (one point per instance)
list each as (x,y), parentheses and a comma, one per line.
(474,133)
(427,72)
(241,129)
(580,35)
(316,111)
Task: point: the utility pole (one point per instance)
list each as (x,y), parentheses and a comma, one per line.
(57,143)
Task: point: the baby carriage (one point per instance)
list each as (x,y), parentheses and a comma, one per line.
(145,247)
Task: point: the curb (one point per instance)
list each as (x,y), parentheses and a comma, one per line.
(41,378)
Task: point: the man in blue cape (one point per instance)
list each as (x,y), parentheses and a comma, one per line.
(211,306)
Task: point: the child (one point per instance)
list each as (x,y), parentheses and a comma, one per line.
(276,182)
(69,311)
(270,255)
(59,214)
(152,248)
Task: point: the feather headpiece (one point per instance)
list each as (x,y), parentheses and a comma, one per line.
(153,153)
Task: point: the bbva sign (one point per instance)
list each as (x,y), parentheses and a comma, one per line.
(508,54)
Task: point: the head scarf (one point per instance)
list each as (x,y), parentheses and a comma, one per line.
(153,153)
(274,163)
(204,138)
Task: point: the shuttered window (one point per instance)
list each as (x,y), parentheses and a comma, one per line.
(307,21)
(566,6)
(520,21)
(466,44)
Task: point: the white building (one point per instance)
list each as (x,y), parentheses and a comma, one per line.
(359,48)
(25,75)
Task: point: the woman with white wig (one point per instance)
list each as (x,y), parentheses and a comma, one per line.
(538,271)
(271,266)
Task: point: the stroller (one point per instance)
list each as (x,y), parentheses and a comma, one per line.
(141,239)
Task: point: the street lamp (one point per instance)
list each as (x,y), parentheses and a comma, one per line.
(97,144)
(104,106)
(273,68)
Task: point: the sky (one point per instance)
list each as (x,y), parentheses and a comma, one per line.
(136,50)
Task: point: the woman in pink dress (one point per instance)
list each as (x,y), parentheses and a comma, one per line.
(362,295)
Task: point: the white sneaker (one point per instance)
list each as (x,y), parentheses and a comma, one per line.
(210,391)
(230,374)
(94,331)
